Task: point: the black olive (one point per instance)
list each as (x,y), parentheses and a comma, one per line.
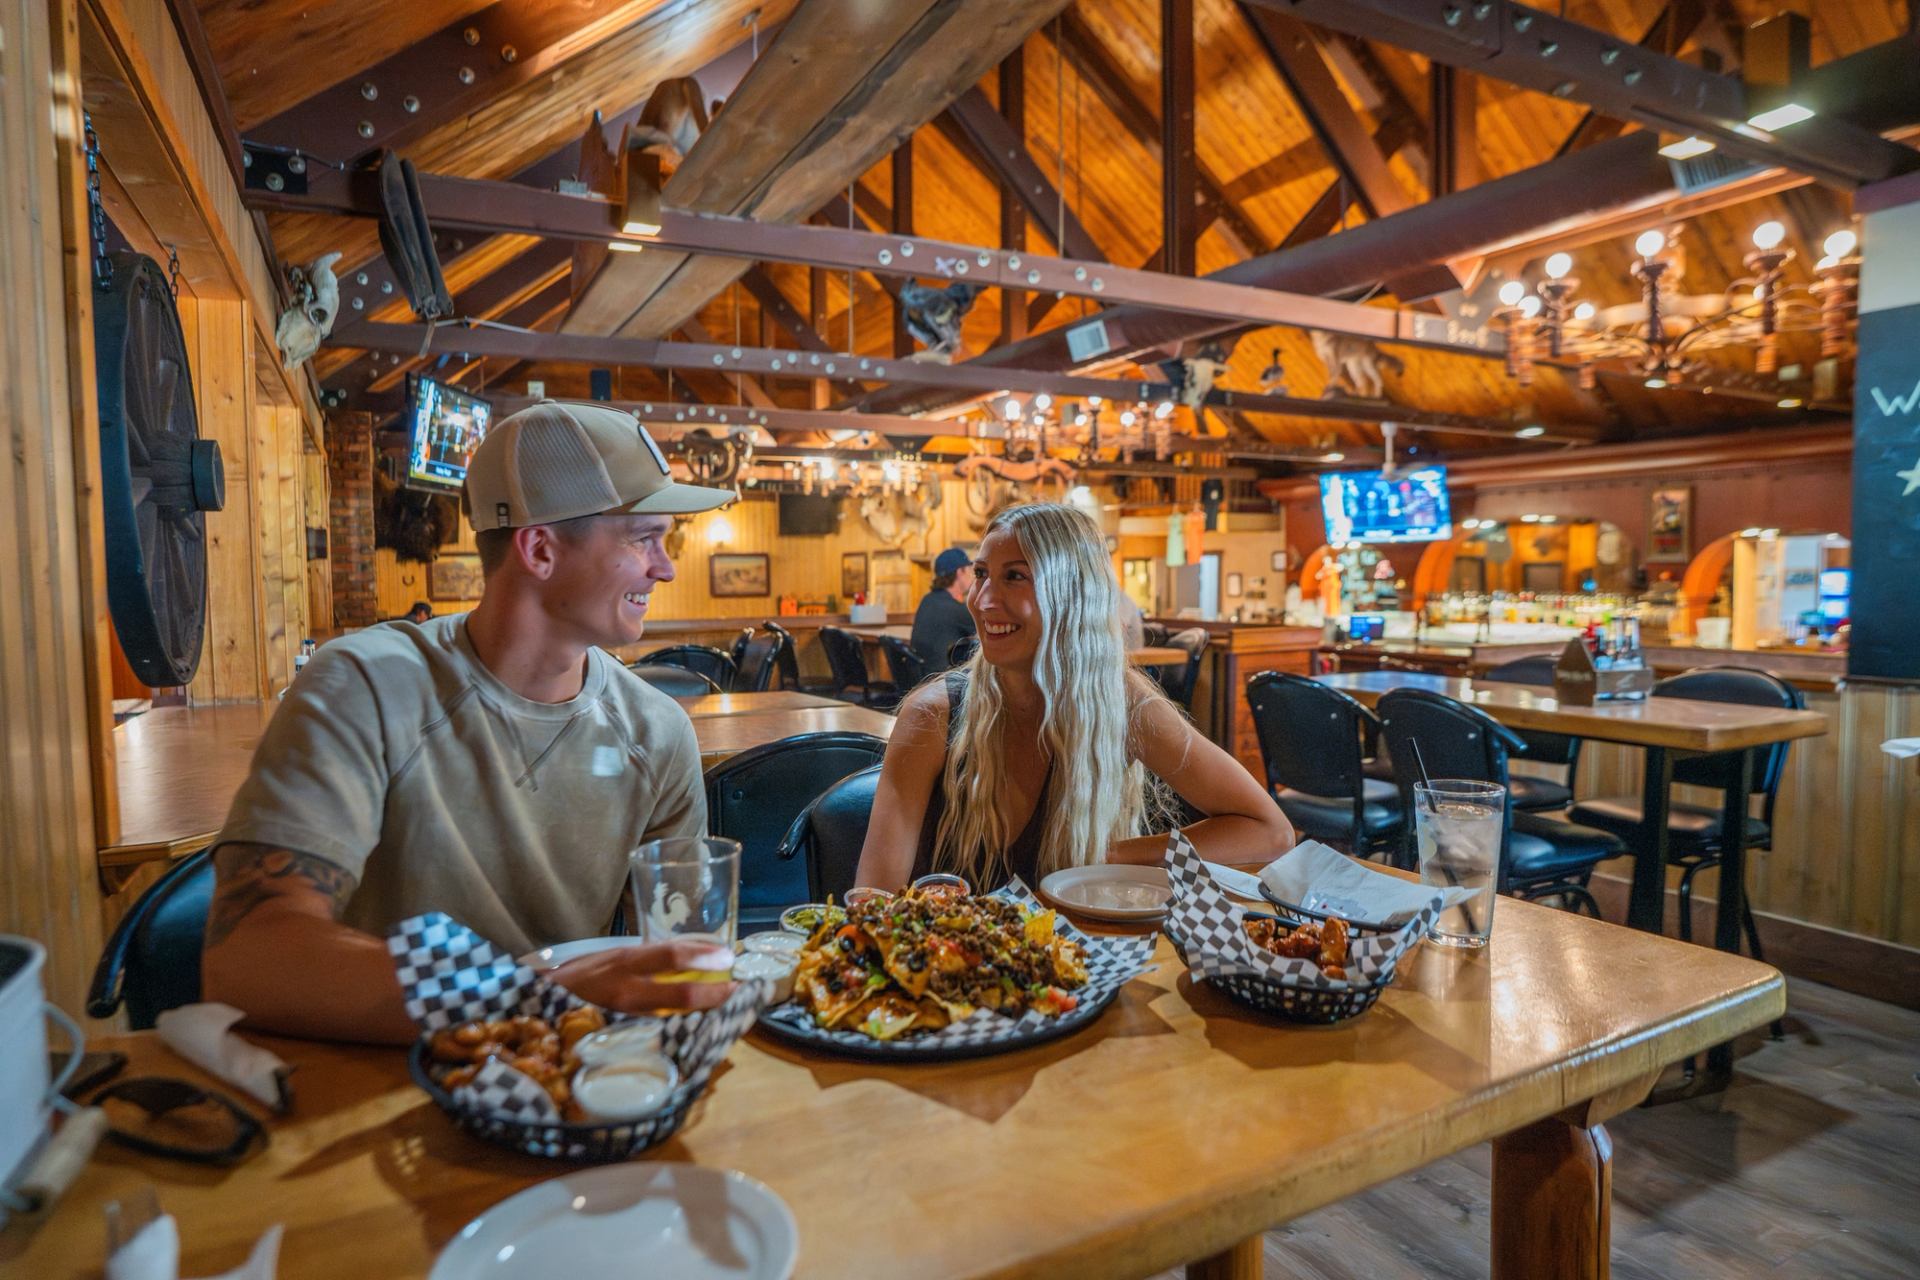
(846,944)
(834,983)
(917,961)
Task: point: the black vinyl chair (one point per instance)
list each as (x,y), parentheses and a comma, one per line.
(675,682)
(757,664)
(738,649)
(787,658)
(754,798)
(903,664)
(1540,857)
(1695,833)
(1153,635)
(961,650)
(1178,679)
(710,662)
(1531,794)
(827,836)
(1311,741)
(152,961)
(848,660)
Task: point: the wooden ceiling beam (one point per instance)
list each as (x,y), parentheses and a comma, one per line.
(838,87)
(900,175)
(432,83)
(1096,67)
(1296,55)
(1179,168)
(1453,149)
(1013,222)
(773,302)
(1003,156)
(516,129)
(1549,54)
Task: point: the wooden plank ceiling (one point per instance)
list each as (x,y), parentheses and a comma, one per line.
(803,129)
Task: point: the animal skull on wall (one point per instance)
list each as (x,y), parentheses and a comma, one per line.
(316,301)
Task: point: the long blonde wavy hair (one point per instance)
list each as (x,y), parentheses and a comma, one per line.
(1097,793)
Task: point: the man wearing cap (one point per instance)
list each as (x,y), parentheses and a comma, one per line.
(498,765)
(942,617)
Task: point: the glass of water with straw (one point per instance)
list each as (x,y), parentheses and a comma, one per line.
(1457,825)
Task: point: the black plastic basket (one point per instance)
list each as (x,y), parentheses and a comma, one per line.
(559,1141)
(1293,1001)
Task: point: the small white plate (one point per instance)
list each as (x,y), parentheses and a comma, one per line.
(560,952)
(1112,891)
(644,1218)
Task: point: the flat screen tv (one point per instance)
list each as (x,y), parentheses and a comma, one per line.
(1366,506)
(808,515)
(445,426)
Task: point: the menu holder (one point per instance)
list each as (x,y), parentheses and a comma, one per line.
(1578,681)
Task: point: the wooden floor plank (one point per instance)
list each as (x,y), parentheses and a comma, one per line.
(1805,1168)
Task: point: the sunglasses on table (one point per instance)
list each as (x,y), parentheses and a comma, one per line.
(178,1120)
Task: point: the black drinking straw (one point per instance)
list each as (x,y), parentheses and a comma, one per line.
(1453,881)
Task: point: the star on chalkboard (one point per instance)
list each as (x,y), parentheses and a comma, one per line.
(1912,478)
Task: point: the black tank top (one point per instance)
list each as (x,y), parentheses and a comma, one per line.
(1022,857)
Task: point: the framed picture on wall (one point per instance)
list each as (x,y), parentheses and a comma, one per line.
(454,578)
(1234,584)
(853,573)
(740,574)
(1670,523)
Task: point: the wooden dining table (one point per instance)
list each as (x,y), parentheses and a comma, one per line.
(177,768)
(1174,1129)
(729,723)
(1664,727)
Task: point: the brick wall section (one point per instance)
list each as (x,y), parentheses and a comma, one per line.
(350,519)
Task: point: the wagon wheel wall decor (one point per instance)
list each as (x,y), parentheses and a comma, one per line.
(158,477)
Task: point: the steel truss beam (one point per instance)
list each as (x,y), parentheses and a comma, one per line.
(503,207)
(591,349)
(1536,50)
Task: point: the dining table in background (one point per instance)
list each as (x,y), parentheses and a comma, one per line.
(1175,1129)
(1664,727)
(178,767)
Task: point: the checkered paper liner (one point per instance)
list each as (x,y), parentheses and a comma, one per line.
(1208,929)
(449,975)
(1112,962)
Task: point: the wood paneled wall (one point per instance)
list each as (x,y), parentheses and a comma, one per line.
(49,533)
(1846,848)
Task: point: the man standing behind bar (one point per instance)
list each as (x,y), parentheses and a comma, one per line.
(942,617)
(498,766)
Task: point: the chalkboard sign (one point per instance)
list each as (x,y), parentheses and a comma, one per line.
(1885,639)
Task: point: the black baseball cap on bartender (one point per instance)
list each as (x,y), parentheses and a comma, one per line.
(556,460)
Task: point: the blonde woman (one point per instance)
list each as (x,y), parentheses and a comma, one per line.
(1035,754)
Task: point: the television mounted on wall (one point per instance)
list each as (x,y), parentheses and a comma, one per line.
(444,426)
(1371,506)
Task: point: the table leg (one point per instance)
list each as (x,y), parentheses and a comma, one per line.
(1552,1199)
(1242,1262)
(1647,907)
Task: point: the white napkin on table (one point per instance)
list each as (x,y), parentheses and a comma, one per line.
(154,1254)
(1313,876)
(1242,884)
(203,1035)
(1901,748)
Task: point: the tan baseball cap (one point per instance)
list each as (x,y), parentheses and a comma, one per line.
(556,460)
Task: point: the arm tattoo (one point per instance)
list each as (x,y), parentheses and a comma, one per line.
(246,875)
